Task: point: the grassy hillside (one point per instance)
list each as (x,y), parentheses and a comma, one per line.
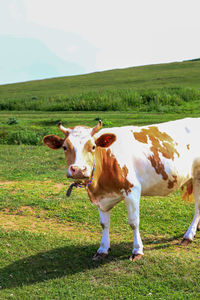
(139,87)
(183,74)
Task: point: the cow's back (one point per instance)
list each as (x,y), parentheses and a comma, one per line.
(158,156)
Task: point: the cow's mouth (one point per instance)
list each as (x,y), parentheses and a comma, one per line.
(80,181)
(78,177)
(83,175)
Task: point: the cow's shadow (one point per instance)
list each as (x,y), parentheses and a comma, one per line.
(63,261)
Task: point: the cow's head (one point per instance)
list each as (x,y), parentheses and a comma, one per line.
(79,147)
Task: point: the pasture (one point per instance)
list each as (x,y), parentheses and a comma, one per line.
(164,88)
(179,74)
(47,240)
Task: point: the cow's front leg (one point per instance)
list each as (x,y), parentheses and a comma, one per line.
(102,252)
(132,201)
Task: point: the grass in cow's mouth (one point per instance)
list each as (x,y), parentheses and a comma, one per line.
(47,240)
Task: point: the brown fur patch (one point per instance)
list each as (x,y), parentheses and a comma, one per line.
(162,144)
(141,137)
(188,146)
(69,153)
(88,154)
(172,182)
(109,177)
(158,165)
(187,190)
(88,146)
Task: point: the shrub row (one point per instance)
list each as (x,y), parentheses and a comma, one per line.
(166,99)
(23,136)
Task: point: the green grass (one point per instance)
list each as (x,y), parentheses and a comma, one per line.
(164,88)
(47,240)
(32,126)
(178,100)
(184,74)
(52,267)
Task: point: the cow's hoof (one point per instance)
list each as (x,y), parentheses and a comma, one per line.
(135,257)
(99,256)
(185,242)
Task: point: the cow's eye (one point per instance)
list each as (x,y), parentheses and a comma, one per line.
(93,147)
(65,148)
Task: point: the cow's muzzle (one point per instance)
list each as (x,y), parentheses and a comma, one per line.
(76,172)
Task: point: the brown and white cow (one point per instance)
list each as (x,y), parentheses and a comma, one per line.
(127,162)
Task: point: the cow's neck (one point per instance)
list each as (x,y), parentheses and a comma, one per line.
(92,176)
(109,177)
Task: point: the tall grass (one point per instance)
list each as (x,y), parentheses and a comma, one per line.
(154,100)
(23,136)
(29,127)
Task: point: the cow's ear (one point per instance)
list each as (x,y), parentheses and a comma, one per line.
(53,141)
(105,140)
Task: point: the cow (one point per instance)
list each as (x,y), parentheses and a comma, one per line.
(130,162)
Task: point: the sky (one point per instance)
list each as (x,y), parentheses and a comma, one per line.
(51,38)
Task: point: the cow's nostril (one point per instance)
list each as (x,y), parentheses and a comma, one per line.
(77,171)
(73,170)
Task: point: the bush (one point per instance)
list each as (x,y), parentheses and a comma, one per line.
(27,137)
(108,100)
(34,98)
(12,121)
(107,123)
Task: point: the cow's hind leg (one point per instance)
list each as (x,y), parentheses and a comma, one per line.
(102,252)
(132,204)
(198,226)
(189,235)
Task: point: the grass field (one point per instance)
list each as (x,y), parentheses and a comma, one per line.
(181,74)
(161,88)
(47,240)
(32,126)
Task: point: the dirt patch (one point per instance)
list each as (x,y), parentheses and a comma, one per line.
(59,186)
(30,223)
(37,225)
(33,224)
(26,210)
(6,182)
